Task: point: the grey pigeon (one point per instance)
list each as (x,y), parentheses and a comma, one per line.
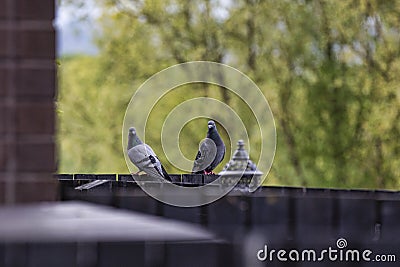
(144,157)
(211,151)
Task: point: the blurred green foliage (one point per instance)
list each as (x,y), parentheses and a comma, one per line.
(329,70)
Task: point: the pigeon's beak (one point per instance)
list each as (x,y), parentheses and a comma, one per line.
(210,126)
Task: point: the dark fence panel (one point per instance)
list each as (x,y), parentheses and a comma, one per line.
(282,217)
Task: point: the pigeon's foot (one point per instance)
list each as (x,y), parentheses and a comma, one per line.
(209,173)
(136,173)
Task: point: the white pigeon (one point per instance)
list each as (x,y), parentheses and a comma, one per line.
(144,157)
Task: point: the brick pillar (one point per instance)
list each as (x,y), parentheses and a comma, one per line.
(27,92)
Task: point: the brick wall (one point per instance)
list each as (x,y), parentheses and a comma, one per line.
(27,92)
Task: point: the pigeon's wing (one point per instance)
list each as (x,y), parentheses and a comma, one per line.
(220,150)
(146,160)
(163,171)
(165,174)
(220,155)
(205,156)
(218,159)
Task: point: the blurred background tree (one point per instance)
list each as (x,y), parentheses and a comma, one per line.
(329,70)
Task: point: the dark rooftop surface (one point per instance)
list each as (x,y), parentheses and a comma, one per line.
(83,222)
(72,233)
(130,228)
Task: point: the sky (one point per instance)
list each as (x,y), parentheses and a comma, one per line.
(76,27)
(75,34)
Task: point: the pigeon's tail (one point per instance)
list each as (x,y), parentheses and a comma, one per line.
(165,174)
